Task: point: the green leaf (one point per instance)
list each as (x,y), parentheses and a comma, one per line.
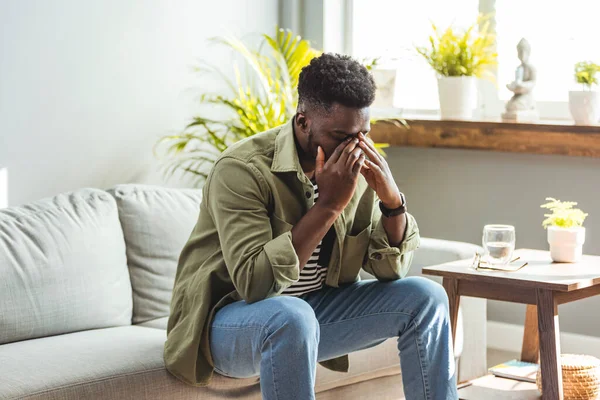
(456,53)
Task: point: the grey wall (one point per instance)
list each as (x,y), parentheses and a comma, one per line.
(454,193)
(86,87)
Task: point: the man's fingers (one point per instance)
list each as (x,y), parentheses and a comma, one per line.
(353,157)
(371,152)
(338,151)
(350,146)
(373,167)
(358,165)
(320,160)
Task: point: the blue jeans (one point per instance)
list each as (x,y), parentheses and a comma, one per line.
(282,338)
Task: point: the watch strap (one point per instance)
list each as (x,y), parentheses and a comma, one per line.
(387,212)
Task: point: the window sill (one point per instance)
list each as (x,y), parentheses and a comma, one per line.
(545,137)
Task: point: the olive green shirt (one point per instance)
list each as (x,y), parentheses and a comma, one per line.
(241,247)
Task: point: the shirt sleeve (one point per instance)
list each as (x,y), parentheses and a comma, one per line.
(259,264)
(390,263)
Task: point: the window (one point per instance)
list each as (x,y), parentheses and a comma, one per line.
(390,29)
(560,34)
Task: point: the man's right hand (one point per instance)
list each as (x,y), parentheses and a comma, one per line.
(337,178)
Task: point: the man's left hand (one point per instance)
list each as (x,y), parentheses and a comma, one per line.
(378,175)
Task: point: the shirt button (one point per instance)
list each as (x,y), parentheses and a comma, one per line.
(308,195)
(377,256)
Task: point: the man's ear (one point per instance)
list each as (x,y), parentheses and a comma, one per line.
(302,122)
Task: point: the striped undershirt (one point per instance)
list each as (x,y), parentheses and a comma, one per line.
(312,276)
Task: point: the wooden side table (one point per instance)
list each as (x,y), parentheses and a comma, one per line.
(542,285)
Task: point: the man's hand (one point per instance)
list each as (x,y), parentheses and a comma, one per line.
(337,178)
(378,175)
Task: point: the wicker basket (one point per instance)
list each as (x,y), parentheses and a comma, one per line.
(580,375)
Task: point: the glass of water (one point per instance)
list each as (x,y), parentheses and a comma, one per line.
(499,243)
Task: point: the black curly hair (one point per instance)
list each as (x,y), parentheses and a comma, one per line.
(334,78)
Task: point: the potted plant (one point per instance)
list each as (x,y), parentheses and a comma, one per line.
(585,103)
(459,58)
(566,233)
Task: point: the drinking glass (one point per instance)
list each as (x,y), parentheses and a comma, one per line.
(499,243)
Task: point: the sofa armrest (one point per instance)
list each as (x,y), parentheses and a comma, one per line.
(471,344)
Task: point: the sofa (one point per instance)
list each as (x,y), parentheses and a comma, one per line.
(85,286)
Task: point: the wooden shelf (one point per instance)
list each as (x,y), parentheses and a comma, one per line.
(490,387)
(541,138)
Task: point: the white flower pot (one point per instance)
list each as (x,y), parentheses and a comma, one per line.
(584,106)
(458,96)
(566,244)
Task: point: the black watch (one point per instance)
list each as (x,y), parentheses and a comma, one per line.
(396,211)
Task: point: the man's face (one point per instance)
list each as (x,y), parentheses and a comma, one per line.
(330,129)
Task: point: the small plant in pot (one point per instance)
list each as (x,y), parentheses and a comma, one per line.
(459,58)
(585,103)
(566,233)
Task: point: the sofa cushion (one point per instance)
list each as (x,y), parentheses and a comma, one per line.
(156,223)
(127,363)
(113,363)
(158,323)
(62,267)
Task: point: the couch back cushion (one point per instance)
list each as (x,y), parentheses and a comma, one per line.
(62,267)
(157,222)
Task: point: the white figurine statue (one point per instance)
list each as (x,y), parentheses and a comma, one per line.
(521,107)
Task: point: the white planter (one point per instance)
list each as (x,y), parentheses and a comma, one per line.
(566,244)
(584,106)
(458,96)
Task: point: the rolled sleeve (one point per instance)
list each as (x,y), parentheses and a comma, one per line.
(259,264)
(284,262)
(386,262)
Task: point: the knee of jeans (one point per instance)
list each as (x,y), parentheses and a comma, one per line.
(295,314)
(431,292)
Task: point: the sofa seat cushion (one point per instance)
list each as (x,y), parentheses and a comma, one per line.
(157,222)
(113,363)
(127,363)
(158,323)
(62,267)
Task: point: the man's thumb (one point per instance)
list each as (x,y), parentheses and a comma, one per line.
(320,160)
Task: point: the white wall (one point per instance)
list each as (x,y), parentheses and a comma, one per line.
(454,193)
(86,87)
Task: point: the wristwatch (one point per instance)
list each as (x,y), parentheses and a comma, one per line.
(395,211)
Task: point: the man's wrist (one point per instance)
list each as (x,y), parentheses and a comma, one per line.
(397,203)
(325,211)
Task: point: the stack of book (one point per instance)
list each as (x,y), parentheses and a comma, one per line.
(515,369)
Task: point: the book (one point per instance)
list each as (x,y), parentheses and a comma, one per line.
(515,369)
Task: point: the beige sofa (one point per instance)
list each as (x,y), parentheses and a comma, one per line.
(85,284)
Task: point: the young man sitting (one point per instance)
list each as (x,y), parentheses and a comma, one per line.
(268,283)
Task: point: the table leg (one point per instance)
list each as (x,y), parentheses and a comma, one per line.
(531,344)
(550,363)
(451,287)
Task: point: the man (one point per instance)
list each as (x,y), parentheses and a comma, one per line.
(268,282)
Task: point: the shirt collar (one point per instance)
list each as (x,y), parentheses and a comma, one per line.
(285,158)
